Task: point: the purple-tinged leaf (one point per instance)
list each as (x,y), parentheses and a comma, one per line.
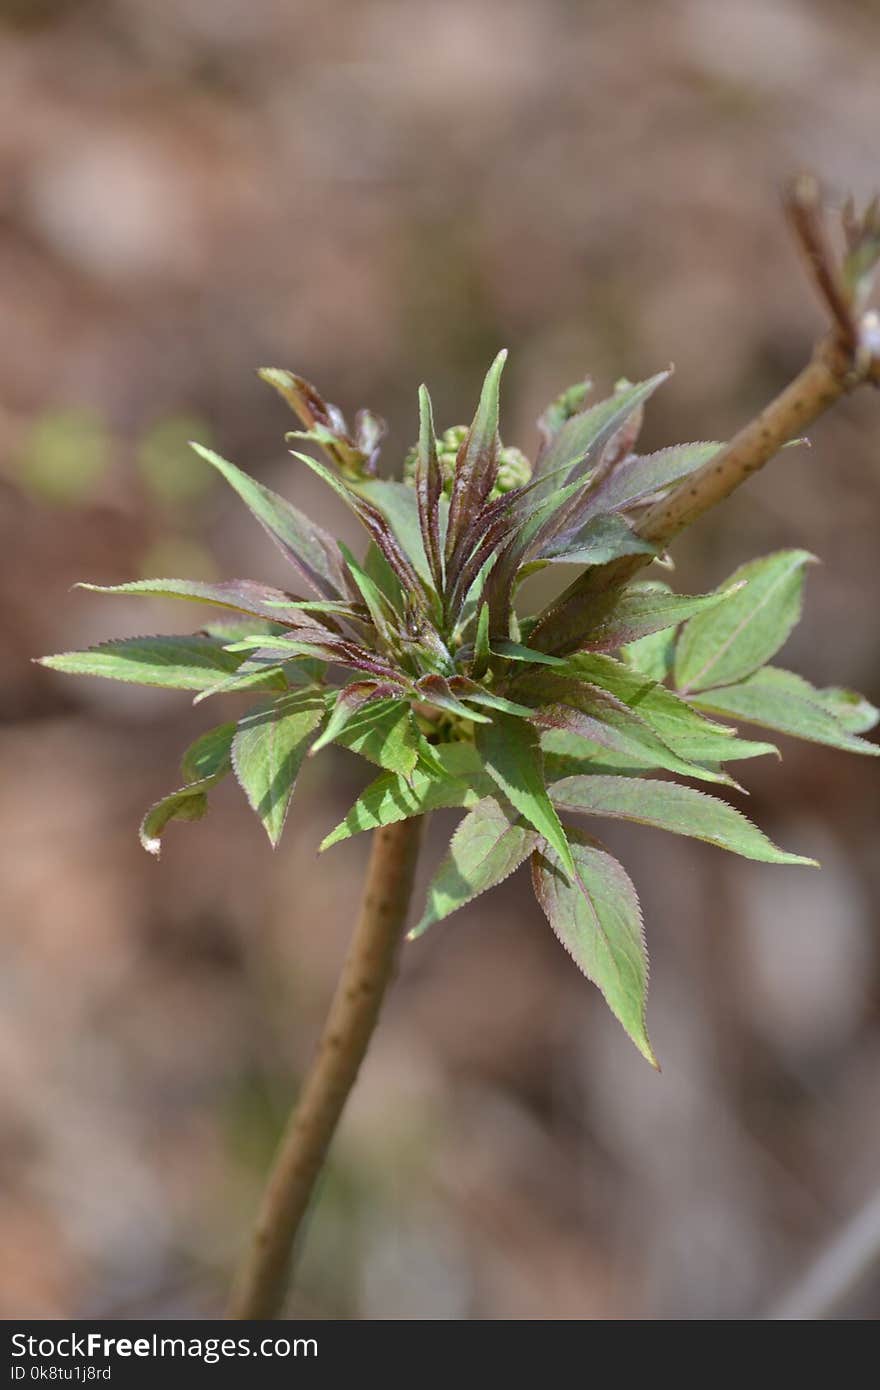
(429,489)
(614,619)
(602,719)
(325,423)
(325,647)
(242,595)
(476,469)
(375,523)
(594,910)
(435,690)
(466,689)
(578,444)
(643,475)
(692,737)
(398,504)
(312,551)
(532,531)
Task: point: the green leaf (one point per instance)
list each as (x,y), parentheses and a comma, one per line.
(602,539)
(311,550)
(487,847)
(231,629)
(514,651)
(668,806)
(383,576)
(263,672)
(205,763)
(723,646)
(348,703)
(570,755)
(379,608)
(176,663)
(512,755)
(382,730)
(268,749)
(189,803)
(780,700)
(482,651)
(210,755)
(652,655)
(848,707)
(390,798)
(596,915)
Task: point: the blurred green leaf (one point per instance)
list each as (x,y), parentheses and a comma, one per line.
(64,453)
(165,461)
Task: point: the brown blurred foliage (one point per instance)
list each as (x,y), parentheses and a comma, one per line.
(374,194)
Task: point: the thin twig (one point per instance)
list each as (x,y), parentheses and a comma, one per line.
(847,357)
(848,1260)
(366,974)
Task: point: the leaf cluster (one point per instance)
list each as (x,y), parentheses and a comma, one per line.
(417,655)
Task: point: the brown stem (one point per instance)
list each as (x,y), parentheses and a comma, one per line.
(367,972)
(823,381)
(829,375)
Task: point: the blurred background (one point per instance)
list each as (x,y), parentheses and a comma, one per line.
(373,194)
